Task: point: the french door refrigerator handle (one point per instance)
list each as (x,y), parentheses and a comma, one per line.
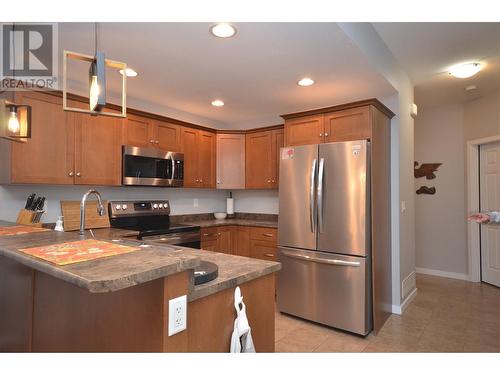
(312,211)
(334,262)
(321,173)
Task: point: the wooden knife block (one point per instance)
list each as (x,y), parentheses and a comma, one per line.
(26,217)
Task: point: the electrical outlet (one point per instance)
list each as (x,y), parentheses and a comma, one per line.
(403,206)
(177,315)
(195,202)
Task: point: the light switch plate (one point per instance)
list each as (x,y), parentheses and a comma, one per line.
(177,315)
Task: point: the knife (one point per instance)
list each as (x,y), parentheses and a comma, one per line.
(35,203)
(29,201)
(40,204)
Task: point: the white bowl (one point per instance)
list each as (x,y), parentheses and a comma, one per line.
(220,215)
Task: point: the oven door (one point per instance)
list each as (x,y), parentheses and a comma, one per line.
(152,167)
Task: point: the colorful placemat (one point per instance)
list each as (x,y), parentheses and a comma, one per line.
(20,229)
(78,251)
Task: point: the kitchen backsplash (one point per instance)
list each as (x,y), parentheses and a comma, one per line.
(13,198)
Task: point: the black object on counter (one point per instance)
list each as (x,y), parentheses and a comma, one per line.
(29,201)
(205,272)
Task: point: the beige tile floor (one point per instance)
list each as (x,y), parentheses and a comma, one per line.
(446,316)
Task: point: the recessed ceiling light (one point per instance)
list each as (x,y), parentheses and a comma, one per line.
(465,70)
(129,72)
(217,103)
(305,82)
(223,30)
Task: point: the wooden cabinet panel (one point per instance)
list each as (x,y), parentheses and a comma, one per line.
(206,159)
(97,150)
(348,125)
(242,241)
(264,234)
(167,136)
(258,156)
(225,240)
(48,157)
(263,250)
(278,138)
(230,161)
(138,131)
(306,130)
(189,148)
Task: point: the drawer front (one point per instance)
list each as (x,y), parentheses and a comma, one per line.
(263,250)
(208,234)
(264,234)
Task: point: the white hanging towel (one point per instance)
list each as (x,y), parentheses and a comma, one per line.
(241,340)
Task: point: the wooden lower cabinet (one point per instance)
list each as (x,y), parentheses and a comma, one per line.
(253,242)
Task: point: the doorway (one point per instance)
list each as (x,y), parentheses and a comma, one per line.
(489,200)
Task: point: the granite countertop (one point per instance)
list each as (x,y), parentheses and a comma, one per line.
(242,222)
(125,270)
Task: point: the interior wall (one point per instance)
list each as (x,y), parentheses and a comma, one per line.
(440,219)
(256,201)
(482,117)
(13,198)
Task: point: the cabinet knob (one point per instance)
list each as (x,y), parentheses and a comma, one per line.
(201,181)
(273,181)
(78,174)
(71,174)
(196,180)
(218,181)
(157,142)
(326,134)
(151,141)
(320,134)
(268,181)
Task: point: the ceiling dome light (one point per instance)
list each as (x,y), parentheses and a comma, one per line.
(129,72)
(223,30)
(305,82)
(465,70)
(217,103)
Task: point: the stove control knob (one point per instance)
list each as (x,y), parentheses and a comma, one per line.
(155,206)
(161,205)
(165,205)
(118,206)
(124,207)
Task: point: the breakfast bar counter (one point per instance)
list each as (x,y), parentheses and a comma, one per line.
(119,303)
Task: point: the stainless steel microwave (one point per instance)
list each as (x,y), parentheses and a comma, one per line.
(152,167)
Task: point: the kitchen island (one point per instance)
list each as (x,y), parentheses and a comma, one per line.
(120,303)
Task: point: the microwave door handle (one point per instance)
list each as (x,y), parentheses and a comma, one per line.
(312,211)
(321,174)
(173,167)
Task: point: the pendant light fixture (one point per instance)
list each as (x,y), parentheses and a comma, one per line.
(97,81)
(15,119)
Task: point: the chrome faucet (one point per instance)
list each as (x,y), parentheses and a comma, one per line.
(100,208)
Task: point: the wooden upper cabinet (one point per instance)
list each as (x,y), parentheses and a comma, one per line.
(258,158)
(206,147)
(230,161)
(47,157)
(189,148)
(278,140)
(97,149)
(167,136)
(199,151)
(307,130)
(348,125)
(138,131)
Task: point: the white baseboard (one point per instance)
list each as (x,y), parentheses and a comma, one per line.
(399,310)
(449,275)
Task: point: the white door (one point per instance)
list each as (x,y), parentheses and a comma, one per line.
(489,176)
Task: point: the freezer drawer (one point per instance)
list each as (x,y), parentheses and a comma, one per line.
(326,288)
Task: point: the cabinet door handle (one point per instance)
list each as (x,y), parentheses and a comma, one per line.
(78,174)
(151,141)
(268,181)
(201,181)
(326,134)
(267,234)
(320,134)
(206,234)
(157,142)
(71,174)
(196,180)
(273,181)
(269,255)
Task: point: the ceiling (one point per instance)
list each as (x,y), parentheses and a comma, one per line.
(427,50)
(183,67)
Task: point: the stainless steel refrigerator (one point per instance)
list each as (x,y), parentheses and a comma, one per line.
(324,234)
